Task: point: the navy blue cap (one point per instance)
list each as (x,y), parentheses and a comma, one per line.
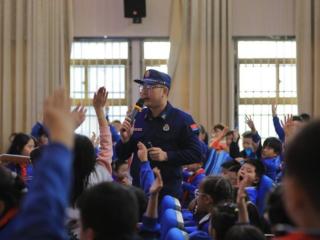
(154,77)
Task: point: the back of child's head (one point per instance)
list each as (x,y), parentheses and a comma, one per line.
(305,117)
(223,217)
(18,141)
(247,134)
(218,127)
(232,166)
(110,210)
(297,118)
(273,143)
(116,122)
(275,208)
(302,162)
(230,170)
(218,188)
(83,165)
(12,189)
(244,232)
(141,199)
(258,165)
(229,133)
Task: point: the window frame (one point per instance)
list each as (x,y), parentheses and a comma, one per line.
(275,61)
(86,101)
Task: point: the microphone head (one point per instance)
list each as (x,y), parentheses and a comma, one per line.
(140,102)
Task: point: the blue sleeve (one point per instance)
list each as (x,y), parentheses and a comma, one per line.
(150,225)
(114,134)
(191,187)
(234,150)
(185,175)
(43,210)
(256,137)
(278,128)
(188,187)
(190,148)
(146,176)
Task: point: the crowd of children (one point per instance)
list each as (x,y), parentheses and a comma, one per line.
(74,187)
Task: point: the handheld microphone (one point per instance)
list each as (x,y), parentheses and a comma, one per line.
(137,108)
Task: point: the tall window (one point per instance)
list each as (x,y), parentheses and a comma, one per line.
(156,55)
(266,73)
(95,64)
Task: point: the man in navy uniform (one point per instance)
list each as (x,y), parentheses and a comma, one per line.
(167,132)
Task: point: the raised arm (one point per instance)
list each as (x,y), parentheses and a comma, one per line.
(42,213)
(276,123)
(105,153)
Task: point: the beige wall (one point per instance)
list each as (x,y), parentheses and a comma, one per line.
(250,18)
(263,17)
(106,18)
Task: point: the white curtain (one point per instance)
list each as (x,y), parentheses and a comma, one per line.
(308,56)
(35,43)
(200,60)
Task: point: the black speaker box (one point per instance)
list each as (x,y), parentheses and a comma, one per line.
(135,8)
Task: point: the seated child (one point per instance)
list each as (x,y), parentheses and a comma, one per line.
(271,157)
(257,184)
(22,144)
(213,190)
(193,175)
(251,142)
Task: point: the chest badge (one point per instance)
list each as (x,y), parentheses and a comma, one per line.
(166,127)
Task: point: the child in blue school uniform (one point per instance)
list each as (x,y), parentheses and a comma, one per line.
(213,190)
(271,157)
(251,142)
(258,184)
(193,175)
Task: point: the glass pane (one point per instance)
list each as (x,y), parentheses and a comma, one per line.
(288,80)
(156,50)
(117,113)
(99,50)
(110,76)
(266,49)
(77,86)
(257,80)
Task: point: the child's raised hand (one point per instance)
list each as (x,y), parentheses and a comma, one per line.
(79,115)
(58,119)
(288,126)
(287,123)
(142,152)
(225,131)
(250,123)
(241,200)
(100,98)
(157,183)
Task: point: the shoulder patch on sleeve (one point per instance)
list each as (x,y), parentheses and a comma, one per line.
(194,127)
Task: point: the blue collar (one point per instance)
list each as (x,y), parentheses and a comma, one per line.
(164,114)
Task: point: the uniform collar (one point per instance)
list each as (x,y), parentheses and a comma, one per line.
(163,115)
